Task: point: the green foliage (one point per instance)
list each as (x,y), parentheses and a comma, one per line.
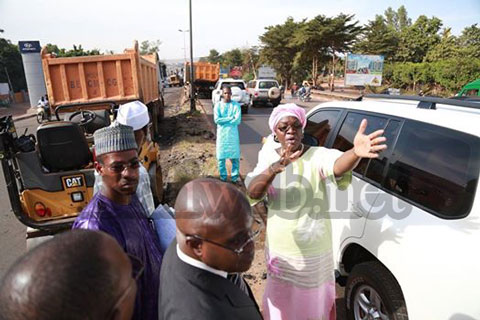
(445,49)
(469,42)
(417,39)
(277,50)
(398,20)
(75,52)
(447,76)
(214,56)
(149,47)
(379,38)
(11,62)
(232,58)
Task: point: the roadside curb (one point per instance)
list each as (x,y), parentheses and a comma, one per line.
(24,116)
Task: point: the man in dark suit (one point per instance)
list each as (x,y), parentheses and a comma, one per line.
(215,241)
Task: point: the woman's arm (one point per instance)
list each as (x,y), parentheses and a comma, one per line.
(259,185)
(364,146)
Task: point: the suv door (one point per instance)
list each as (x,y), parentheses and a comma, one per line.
(349,209)
(420,218)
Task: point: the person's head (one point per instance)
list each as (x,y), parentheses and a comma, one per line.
(79,274)
(214,223)
(135,115)
(287,122)
(117,161)
(227,93)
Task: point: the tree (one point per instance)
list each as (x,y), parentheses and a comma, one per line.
(341,37)
(232,58)
(310,40)
(469,42)
(214,56)
(251,62)
(378,38)
(149,47)
(445,49)
(276,49)
(417,39)
(11,63)
(397,20)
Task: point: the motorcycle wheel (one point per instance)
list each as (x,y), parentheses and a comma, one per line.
(40,118)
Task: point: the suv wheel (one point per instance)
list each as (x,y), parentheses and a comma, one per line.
(373,293)
(244,108)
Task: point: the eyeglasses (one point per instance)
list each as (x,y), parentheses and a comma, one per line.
(120,167)
(284,128)
(137,271)
(257,227)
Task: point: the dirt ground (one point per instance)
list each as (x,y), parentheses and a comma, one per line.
(187,146)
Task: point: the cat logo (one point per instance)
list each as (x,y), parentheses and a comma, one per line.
(74,182)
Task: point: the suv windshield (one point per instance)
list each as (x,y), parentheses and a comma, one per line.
(233,84)
(267,84)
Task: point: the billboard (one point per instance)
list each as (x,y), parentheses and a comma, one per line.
(29,46)
(361,70)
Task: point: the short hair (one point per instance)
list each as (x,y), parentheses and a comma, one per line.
(69,277)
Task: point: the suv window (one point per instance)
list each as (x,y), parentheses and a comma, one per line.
(319,126)
(344,139)
(376,166)
(251,84)
(233,84)
(267,84)
(435,168)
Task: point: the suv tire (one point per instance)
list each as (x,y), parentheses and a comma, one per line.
(244,108)
(381,293)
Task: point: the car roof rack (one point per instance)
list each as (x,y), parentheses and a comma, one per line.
(429,102)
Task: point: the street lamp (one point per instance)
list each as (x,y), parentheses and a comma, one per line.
(192,97)
(184,45)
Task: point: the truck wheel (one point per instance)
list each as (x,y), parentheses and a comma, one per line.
(373,293)
(156,183)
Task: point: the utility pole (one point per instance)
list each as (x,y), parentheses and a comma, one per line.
(184,45)
(192,97)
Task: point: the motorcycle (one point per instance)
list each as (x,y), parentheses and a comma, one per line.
(43,112)
(305,95)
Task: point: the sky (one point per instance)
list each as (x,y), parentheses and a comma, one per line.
(221,25)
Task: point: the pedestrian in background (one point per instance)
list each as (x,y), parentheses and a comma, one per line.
(227,114)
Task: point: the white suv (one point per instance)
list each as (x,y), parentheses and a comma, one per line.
(239,94)
(264,91)
(406,232)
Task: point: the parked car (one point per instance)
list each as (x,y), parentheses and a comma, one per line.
(239,94)
(264,91)
(406,232)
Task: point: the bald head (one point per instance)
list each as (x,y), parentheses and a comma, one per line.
(73,274)
(214,223)
(205,203)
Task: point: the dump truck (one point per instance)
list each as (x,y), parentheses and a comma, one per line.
(205,76)
(95,81)
(50,175)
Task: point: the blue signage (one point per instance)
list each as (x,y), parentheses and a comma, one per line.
(29,46)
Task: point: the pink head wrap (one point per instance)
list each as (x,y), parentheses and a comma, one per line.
(286,110)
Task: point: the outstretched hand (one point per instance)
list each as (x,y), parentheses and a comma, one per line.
(368,146)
